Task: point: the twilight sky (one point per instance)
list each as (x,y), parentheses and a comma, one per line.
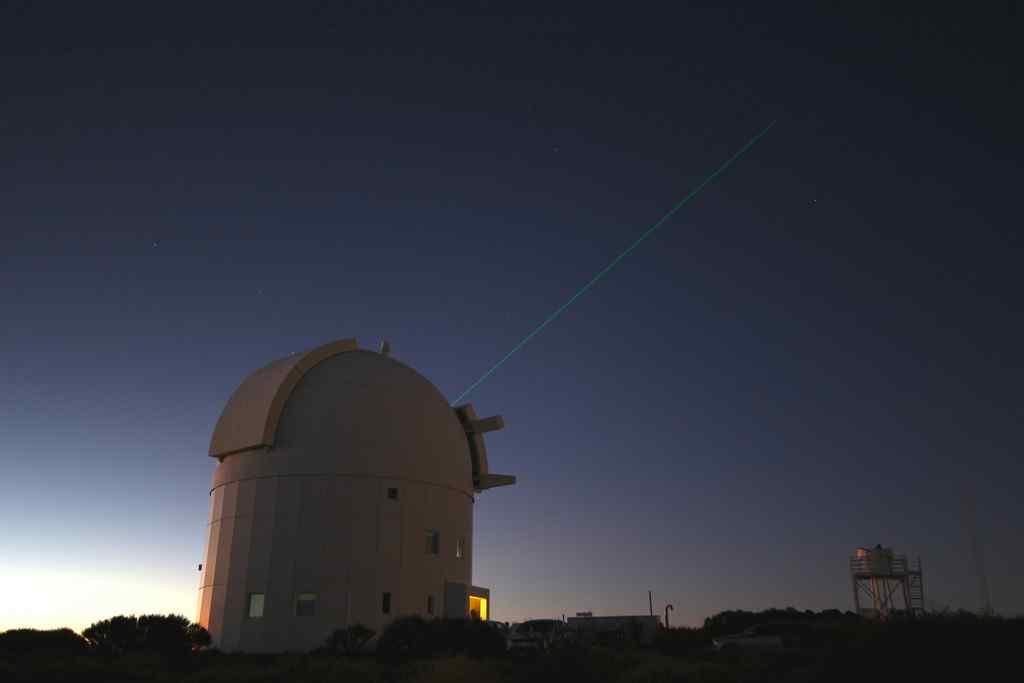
(822,351)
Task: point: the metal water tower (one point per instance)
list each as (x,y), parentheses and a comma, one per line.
(885,583)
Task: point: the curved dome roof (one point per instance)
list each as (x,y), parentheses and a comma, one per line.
(250,418)
(339,409)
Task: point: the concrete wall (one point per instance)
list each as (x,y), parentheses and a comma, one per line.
(339,537)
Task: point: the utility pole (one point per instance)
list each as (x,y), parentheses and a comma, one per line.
(650,599)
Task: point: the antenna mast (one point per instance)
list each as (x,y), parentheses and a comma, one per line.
(978,556)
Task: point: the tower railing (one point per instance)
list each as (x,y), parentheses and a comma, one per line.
(886,582)
(893,565)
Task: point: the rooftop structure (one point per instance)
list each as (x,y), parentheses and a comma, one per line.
(885,583)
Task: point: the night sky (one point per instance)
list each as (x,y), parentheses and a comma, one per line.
(821,351)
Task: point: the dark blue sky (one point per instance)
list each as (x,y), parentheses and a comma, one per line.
(822,351)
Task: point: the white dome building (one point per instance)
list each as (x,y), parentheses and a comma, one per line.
(344,494)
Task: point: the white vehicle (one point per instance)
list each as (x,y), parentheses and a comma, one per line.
(762,638)
(535,635)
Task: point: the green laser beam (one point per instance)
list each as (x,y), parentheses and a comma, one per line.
(607,269)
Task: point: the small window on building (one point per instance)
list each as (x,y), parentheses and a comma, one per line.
(305,605)
(433,542)
(393,493)
(385,603)
(458,547)
(256,605)
(430,604)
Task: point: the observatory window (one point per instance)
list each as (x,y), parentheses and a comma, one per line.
(393,494)
(255,605)
(385,603)
(430,604)
(433,542)
(305,605)
(458,547)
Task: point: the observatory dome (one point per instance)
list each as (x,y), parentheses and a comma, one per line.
(343,494)
(336,410)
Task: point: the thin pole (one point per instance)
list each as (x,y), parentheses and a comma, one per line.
(650,599)
(978,555)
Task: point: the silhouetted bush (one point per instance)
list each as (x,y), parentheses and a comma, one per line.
(681,641)
(471,637)
(734,621)
(22,641)
(198,636)
(115,635)
(484,640)
(573,661)
(170,635)
(349,640)
(415,637)
(940,647)
(406,638)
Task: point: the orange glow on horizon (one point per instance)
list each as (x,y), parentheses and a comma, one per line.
(46,599)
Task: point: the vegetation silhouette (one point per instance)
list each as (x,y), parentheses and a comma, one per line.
(23,641)
(844,647)
(415,638)
(350,640)
(169,635)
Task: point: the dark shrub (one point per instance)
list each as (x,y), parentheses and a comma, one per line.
(470,637)
(115,635)
(681,641)
(349,640)
(484,640)
(414,637)
(170,635)
(734,621)
(166,635)
(198,636)
(406,638)
(21,641)
(573,661)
